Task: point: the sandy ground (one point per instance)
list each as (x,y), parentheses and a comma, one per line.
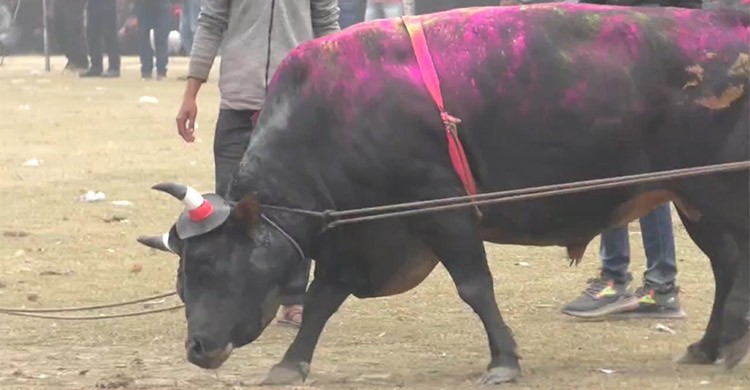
(94,135)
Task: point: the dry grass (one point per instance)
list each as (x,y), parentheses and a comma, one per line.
(93,135)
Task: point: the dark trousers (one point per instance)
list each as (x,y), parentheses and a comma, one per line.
(153,15)
(101,28)
(233,130)
(69,31)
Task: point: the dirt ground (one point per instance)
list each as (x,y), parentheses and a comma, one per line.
(95,135)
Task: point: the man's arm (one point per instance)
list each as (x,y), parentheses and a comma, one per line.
(212,22)
(325,17)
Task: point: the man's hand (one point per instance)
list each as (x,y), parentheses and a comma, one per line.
(186,119)
(188,111)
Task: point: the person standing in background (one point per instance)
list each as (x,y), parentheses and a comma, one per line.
(69,32)
(189,22)
(153,16)
(101,28)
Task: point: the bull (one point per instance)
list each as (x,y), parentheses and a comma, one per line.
(546,94)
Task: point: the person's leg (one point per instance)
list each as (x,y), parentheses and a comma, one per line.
(145,51)
(109,35)
(394,10)
(608,293)
(188,23)
(233,129)
(161,39)
(658,297)
(60,28)
(371,12)
(77,40)
(293,294)
(94,39)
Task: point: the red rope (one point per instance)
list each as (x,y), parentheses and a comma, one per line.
(431,81)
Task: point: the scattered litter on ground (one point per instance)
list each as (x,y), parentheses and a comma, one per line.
(15,233)
(33,162)
(55,273)
(606,371)
(522,264)
(92,196)
(19,252)
(148,100)
(122,203)
(664,328)
(705,383)
(115,218)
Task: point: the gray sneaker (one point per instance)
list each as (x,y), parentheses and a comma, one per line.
(602,297)
(650,302)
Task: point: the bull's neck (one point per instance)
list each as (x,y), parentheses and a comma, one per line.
(275,182)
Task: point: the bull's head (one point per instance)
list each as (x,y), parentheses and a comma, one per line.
(232,263)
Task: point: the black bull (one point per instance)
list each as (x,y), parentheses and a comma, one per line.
(547,94)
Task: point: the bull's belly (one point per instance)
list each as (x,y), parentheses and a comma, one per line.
(558,223)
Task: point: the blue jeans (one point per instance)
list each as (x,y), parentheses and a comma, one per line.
(189,23)
(658,243)
(153,15)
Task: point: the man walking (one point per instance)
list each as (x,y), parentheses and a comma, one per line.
(69,32)
(609,293)
(255,36)
(101,27)
(153,16)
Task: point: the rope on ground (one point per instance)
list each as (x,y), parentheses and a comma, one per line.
(87,308)
(83,318)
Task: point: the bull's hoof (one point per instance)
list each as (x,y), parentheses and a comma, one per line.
(498,375)
(287,374)
(732,354)
(694,355)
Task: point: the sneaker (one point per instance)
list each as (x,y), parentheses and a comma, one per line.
(649,302)
(603,296)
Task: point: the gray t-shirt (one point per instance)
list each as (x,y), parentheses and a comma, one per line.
(242,28)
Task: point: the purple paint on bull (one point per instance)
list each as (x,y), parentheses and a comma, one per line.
(510,37)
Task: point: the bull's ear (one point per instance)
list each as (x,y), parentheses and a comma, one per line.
(247,211)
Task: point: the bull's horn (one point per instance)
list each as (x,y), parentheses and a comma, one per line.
(198,207)
(157,242)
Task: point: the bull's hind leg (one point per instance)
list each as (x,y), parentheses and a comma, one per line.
(722,249)
(735,335)
(454,238)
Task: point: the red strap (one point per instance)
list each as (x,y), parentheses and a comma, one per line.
(201,212)
(429,76)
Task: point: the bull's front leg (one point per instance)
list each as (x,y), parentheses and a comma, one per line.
(321,302)
(454,238)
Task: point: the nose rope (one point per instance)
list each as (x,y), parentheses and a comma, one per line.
(287,236)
